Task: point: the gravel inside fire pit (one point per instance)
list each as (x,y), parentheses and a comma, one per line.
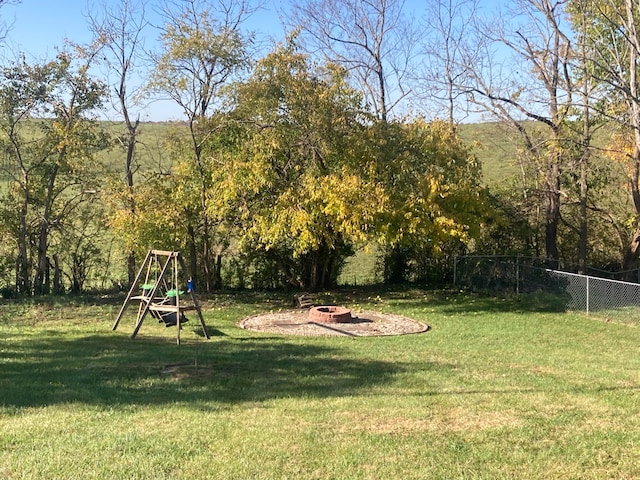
(363,324)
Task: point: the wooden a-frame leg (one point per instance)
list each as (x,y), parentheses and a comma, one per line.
(145,310)
(196,303)
(177,287)
(133,287)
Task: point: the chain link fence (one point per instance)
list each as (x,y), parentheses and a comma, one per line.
(575,292)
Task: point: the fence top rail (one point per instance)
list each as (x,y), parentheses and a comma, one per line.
(590,277)
(543,260)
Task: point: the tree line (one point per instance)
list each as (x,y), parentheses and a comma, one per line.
(343,135)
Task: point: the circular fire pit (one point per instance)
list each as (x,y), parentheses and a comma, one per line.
(329,314)
(362,324)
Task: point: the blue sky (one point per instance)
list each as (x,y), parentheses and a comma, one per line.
(39,27)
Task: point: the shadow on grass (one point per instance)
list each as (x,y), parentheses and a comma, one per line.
(110,370)
(457,301)
(464,302)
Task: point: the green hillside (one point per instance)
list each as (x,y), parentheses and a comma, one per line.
(151,148)
(489,141)
(491,144)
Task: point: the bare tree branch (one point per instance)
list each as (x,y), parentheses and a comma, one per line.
(371,38)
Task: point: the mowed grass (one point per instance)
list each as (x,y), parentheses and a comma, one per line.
(496,389)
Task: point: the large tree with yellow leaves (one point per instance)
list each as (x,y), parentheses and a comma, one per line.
(304,175)
(292,172)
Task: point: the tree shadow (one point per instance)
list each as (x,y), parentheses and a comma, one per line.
(112,370)
(474,303)
(456,301)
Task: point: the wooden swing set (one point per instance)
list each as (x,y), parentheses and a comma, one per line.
(160,293)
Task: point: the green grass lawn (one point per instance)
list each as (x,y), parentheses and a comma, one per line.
(496,389)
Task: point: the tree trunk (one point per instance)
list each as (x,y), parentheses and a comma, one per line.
(217,274)
(42,265)
(57,276)
(630,257)
(47,277)
(131,145)
(131,254)
(551,231)
(131,267)
(395,265)
(313,273)
(23,285)
(584,191)
(584,232)
(207,261)
(552,207)
(193,264)
(583,55)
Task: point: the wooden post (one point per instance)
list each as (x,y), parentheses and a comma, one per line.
(177,287)
(195,302)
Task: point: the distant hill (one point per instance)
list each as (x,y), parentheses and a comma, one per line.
(496,152)
(489,142)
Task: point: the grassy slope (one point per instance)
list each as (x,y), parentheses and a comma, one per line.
(488,140)
(491,144)
(150,150)
(494,390)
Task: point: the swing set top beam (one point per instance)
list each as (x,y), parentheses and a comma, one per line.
(165,253)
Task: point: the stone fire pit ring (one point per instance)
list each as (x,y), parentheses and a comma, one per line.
(330,314)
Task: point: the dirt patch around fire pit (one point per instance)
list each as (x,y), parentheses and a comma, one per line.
(362,324)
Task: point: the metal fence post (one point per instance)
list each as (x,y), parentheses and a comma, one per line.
(455,270)
(587,295)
